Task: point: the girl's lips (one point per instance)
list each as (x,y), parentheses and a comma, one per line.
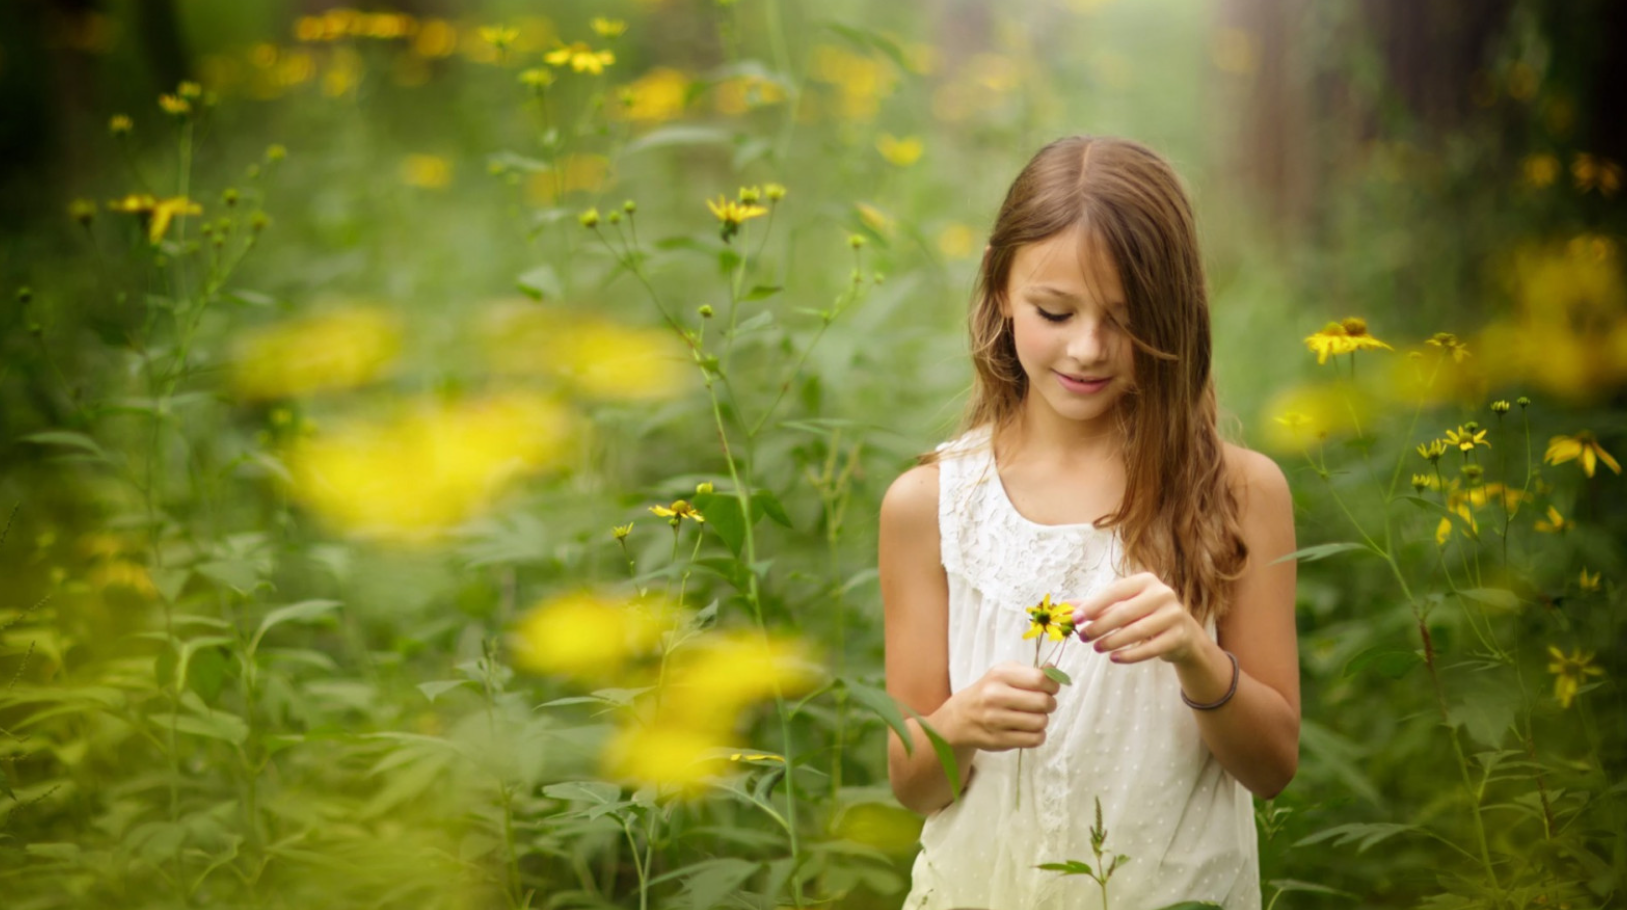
(1082,388)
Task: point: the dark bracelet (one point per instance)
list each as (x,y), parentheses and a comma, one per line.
(1237,672)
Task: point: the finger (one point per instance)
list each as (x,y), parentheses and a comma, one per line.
(1026,700)
(1144,650)
(1032,679)
(1142,629)
(1022,721)
(1091,607)
(1120,615)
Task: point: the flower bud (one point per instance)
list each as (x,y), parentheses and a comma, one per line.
(589,218)
(705,311)
(703,487)
(629,206)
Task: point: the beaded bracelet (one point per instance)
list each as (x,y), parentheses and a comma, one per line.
(1237,672)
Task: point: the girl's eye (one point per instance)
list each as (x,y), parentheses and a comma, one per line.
(1049,316)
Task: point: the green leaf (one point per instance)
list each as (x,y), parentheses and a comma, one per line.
(1364,834)
(214,725)
(1321,551)
(723,515)
(708,882)
(946,753)
(306,611)
(240,575)
(865,39)
(433,690)
(1284,885)
(1501,598)
(678,135)
(885,707)
(1058,675)
(593,791)
(541,283)
(70,439)
(764,502)
(1071,867)
(761,292)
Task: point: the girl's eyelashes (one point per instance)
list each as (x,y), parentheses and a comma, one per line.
(1049,316)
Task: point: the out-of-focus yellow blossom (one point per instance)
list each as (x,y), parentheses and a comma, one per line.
(122,573)
(1570,672)
(584,635)
(996,72)
(1450,344)
(656,96)
(1343,338)
(120,125)
(956,241)
(1464,439)
(82,211)
(175,105)
(1588,583)
(1591,173)
(1501,406)
(1510,497)
(158,212)
(861,81)
(728,672)
(1422,482)
(738,94)
(900,152)
(730,212)
(890,829)
(875,219)
(431,172)
(1433,450)
(343,73)
(1584,446)
(595,358)
(320,352)
(1458,503)
(665,755)
(339,23)
(773,192)
(1054,621)
(415,476)
(581,58)
(589,218)
(703,487)
(436,38)
(608,28)
(499,36)
(1568,331)
(1539,170)
(621,532)
(571,174)
(680,509)
(1311,412)
(1555,523)
(536,78)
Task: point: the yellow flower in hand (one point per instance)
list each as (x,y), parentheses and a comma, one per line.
(1583,446)
(1054,621)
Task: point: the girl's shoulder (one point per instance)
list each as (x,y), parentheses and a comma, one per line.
(971,443)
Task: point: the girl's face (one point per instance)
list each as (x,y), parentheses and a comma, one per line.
(1068,313)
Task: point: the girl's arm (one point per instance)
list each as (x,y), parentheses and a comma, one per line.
(1006,709)
(1254,735)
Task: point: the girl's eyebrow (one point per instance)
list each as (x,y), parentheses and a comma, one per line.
(1051,290)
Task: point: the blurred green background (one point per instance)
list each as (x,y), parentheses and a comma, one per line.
(331,427)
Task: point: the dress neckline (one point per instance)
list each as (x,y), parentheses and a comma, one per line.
(1005,501)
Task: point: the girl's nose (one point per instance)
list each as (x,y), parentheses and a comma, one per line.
(1088,343)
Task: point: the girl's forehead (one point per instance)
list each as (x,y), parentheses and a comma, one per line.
(1074,262)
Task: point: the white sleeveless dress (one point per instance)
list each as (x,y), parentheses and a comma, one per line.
(1120,733)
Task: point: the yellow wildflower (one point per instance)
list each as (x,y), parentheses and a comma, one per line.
(620,532)
(1054,621)
(537,78)
(680,509)
(191,91)
(1421,482)
(1555,522)
(1592,173)
(319,352)
(1570,672)
(120,125)
(664,755)
(1583,446)
(1458,503)
(1540,170)
(1450,344)
(581,58)
(731,215)
(430,172)
(657,95)
(499,36)
(1433,450)
(1588,583)
(583,635)
(175,105)
(165,211)
(899,152)
(1343,338)
(1466,438)
(608,28)
(773,191)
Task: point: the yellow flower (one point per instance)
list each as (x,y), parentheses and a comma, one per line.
(326,351)
(1570,672)
(1343,338)
(1450,344)
(773,191)
(1458,503)
(1433,450)
(499,36)
(431,172)
(620,532)
(658,95)
(721,675)
(1540,170)
(191,91)
(581,58)
(583,635)
(594,358)
(899,152)
(665,754)
(537,78)
(608,28)
(1584,446)
(167,209)
(1555,523)
(734,213)
(1054,621)
(120,125)
(1421,482)
(1592,173)
(1588,583)
(175,105)
(1466,438)
(680,509)
(1305,414)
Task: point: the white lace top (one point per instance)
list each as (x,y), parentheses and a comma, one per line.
(1120,732)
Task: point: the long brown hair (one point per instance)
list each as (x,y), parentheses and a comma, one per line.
(1179,517)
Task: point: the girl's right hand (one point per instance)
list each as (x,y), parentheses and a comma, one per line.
(1006,709)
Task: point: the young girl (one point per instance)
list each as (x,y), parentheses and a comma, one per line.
(1091,471)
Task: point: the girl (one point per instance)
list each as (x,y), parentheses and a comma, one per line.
(1091,471)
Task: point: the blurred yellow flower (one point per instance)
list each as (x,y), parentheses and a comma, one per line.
(608,28)
(1555,522)
(900,152)
(122,573)
(1584,446)
(1539,170)
(569,174)
(499,36)
(1433,450)
(875,219)
(656,96)
(679,509)
(725,673)
(1301,414)
(1343,338)
(175,105)
(431,172)
(1570,672)
(120,125)
(1592,173)
(1450,344)
(1588,583)
(583,635)
(1464,439)
(665,755)
(738,94)
(537,78)
(1458,503)
(888,828)
(595,358)
(581,58)
(413,477)
(956,241)
(336,349)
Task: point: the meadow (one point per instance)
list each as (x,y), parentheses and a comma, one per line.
(440,451)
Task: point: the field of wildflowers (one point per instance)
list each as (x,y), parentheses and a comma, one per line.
(440,449)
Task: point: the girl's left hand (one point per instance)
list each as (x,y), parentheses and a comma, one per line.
(1139,617)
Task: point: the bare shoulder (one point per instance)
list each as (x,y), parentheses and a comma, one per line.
(911,503)
(1258,480)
